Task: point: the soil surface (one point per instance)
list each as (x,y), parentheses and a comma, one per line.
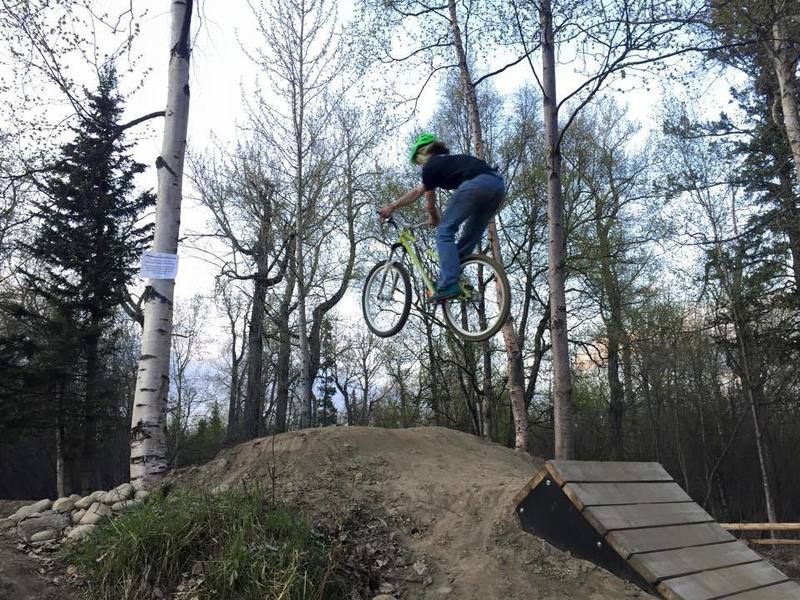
(26,576)
(446,497)
(424,514)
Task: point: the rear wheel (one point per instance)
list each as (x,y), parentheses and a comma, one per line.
(485,301)
(386,298)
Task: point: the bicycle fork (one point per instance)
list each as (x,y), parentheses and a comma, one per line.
(390,262)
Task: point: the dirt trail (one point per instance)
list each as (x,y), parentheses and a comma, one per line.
(446,496)
(23,577)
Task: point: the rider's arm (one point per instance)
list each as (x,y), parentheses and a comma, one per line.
(430,204)
(409,197)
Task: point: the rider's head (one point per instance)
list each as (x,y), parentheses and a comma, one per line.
(425,146)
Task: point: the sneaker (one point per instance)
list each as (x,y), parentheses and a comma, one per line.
(448,293)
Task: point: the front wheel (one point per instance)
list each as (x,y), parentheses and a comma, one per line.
(386,298)
(485,301)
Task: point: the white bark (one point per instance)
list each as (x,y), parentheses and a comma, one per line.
(785,72)
(299,108)
(562,383)
(148,461)
(516,383)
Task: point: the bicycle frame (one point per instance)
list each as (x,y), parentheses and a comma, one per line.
(406,240)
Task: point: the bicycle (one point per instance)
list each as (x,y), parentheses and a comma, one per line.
(474,316)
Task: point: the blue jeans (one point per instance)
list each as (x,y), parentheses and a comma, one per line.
(474,203)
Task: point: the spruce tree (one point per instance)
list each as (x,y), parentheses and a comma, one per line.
(87,244)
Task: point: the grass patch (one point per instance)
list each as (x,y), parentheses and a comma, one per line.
(231,545)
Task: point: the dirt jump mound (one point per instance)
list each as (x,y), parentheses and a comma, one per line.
(436,509)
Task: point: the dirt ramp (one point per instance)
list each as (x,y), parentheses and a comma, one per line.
(446,496)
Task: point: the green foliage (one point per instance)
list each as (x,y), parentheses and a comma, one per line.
(235,544)
(205,441)
(89,239)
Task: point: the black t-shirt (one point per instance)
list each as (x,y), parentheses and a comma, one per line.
(448,171)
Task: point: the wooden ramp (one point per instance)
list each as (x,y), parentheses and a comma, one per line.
(635,521)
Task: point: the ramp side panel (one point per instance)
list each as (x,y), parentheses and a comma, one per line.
(609,518)
(566,471)
(722,582)
(547,513)
(594,494)
(655,566)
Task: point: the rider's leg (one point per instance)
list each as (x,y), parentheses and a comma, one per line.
(492,188)
(457,211)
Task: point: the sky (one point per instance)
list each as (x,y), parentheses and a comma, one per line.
(221,73)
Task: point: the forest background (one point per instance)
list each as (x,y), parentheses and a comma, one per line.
(681,221)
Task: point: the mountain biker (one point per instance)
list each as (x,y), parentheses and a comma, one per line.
(479,191)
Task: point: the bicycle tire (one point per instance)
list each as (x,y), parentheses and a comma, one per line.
(505,307)
(401,270)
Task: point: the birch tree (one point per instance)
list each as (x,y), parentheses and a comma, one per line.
(148,461)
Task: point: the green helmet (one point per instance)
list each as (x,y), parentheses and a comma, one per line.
(423,139)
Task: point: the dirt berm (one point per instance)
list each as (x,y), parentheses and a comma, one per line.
(428,511)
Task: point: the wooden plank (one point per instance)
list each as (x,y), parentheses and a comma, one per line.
(592,494)
(565,471)
(761,526)
(721,582)
(782,591)
(523,493)
(609,518)
(655,566)
(650,539)
(769,542)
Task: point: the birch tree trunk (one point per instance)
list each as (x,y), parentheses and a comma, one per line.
(516,382)
(562,383)
(785,67)
(284,348)
(785,71)
(148,461)
(305,353)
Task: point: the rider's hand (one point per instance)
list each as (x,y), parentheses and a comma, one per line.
(386,211)
(434,217)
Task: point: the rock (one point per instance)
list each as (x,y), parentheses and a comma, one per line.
(420,568)
(95,496)
(77,515)
(80,532)
(43,536)
(223,487)
(119,494)
(110,497)
(25,511)
(96,513)
(124,505)
(141,495)
(65,504)
(84,502)
(21,513)
(384,597)
(41,506)
(46,521)
(125,490)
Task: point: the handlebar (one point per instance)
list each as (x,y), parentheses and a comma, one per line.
(398,223)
